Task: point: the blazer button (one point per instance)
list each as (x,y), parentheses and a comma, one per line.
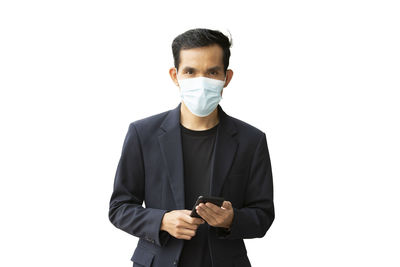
(175,262)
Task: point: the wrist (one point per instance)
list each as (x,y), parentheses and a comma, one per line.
(164,221)
(228,227)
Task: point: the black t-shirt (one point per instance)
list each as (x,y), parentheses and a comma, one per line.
(197,148)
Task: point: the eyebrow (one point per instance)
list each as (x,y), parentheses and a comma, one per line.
(215,68)
(188,69)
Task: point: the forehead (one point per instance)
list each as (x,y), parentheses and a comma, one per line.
(201,57)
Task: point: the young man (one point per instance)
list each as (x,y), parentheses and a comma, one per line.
(171,158)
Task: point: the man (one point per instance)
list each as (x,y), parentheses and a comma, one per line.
(171,158)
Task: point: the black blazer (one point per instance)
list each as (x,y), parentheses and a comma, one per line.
(150,169)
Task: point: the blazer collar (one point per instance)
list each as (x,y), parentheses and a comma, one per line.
(171,148)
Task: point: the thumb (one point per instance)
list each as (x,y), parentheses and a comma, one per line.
(227,205)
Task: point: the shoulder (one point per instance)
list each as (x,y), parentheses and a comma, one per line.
(251,139)
(248,134)
(149,123)
(246,128)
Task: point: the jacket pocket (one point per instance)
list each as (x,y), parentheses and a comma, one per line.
(142,257)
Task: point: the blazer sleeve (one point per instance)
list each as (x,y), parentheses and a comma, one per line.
(256,216)
(125,208)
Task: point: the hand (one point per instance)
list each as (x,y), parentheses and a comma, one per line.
(216,216)
(180,224)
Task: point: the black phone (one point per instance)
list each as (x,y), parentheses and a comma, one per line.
(203,199)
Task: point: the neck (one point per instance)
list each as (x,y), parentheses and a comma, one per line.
(193,122)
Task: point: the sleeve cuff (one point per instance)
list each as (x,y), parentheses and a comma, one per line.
(161,237)
(224,233)
(164,237)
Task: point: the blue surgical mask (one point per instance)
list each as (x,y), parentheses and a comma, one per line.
(201,94)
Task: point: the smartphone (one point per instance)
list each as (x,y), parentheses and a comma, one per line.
(203,199)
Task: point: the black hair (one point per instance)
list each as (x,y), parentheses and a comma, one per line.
(201,37)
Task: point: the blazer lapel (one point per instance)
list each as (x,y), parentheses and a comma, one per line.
(224,152)
(171,148)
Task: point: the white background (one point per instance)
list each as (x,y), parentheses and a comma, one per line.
(320,78)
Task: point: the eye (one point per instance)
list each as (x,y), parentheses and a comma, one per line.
(188,72)
(214,72)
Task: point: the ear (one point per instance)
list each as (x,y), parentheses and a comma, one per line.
(229,74)
(173,74)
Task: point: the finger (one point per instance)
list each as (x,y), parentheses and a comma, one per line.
(187,232)
(186,237)
(185,225)
(206,214)
(214,208)
(192,220)
(182,236)
(197,221)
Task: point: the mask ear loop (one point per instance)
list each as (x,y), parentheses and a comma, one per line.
(176,70)
(180,90)
(223,85)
